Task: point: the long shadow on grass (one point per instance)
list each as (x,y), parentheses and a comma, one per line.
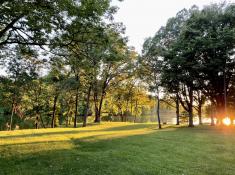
(89,156)
(51,133)
(46,134)
(130,155)
(131,127)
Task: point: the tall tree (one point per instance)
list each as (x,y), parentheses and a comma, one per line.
(211,35)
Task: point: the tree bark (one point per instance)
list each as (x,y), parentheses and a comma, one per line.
(76,103)
(177,110)
(158,111)
(54,112)
(97,120)
(200,114)
(12,113)
(95,96)
(131,107)
(87,107)
(190,107)
(37,123)
(98,116)
(136,110)
(10,25)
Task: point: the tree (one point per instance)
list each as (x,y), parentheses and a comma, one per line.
(200,100)
(152,65)
(211,35)
(85,40)
(21,71)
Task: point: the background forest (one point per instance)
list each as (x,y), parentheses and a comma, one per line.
(67,63)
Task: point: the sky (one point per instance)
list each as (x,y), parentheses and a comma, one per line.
(143,18)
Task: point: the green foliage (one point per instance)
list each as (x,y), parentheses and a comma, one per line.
(80,47)
(32,22)
(84,67)
(195,51)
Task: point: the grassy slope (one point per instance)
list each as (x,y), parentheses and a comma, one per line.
(118,149)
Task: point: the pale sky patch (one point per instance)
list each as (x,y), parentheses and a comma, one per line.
(143,18)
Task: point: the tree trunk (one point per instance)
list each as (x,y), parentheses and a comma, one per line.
(200,114)
(200,103)
(136,110)
(97,119)
(177,110)
(190,107)
(131,107)
(39,116)
(127,110)
(87,107)
(158,111)
(100,108)
(12,113)
(54,112)
(97,116)
(37,123)
(76,110)
(76,103)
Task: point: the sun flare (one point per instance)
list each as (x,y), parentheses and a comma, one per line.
(227,121)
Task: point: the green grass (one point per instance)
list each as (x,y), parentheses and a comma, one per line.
(118,149)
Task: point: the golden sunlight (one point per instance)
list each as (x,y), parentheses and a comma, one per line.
(227,121)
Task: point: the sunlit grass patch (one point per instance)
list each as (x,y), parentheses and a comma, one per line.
(118,148)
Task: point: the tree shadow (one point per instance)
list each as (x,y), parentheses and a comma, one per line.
(80,130)
(87,157)
(51,133)
(131,127)
(159,152)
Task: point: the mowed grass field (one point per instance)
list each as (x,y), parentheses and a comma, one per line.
(119,149)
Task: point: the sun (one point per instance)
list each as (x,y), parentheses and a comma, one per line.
(227,121)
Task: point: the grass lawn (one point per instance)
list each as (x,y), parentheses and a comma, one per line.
(118,149)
